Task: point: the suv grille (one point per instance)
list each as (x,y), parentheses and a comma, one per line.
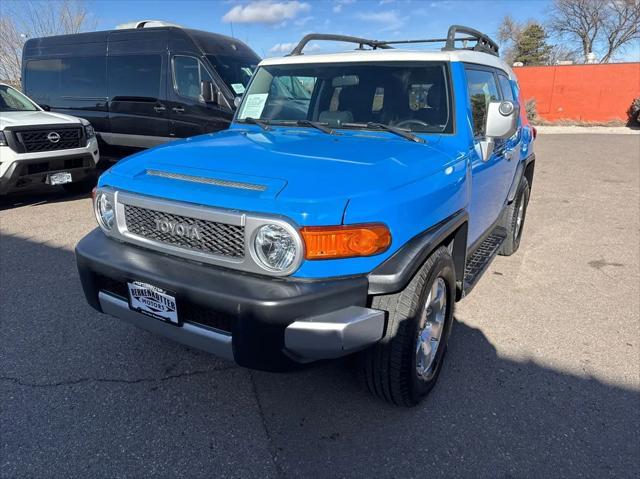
(38,140)
(215,238)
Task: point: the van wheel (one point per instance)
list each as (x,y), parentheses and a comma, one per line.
(514,217)
(404,365)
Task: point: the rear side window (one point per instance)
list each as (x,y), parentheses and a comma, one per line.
(505,86)
(135,76)
(483,89)
(60,82)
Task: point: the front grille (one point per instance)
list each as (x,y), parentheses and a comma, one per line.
(35,141)
(211,237)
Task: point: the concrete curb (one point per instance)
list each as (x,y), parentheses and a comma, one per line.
(575,130)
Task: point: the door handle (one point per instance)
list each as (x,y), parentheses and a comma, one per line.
(508,154)
(159,108)
(178,109)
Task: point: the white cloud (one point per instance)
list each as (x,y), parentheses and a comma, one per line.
(388,20)
(303,20)
(284,48)
(337,8)
(265,11)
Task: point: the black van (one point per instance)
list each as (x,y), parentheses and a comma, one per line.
(140,87)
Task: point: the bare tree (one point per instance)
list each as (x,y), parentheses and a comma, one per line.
(24,19)
(602,27)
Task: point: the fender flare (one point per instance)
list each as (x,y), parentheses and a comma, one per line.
(396,272)
(522,166)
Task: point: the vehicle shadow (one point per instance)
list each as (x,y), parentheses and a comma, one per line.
(75,378)
(38,196)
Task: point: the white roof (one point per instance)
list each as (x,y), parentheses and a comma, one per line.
(390,55)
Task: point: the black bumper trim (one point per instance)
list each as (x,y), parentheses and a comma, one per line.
(17,178)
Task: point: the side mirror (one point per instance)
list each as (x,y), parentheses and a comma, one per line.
(206,91)
(45,107)
(502,122)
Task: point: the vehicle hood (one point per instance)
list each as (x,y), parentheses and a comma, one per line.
(298,172)
(34,118)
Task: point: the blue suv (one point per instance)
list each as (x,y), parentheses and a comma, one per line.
(356,197)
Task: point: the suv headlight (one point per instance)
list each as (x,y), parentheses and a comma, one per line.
(3,139)
(105,213)
(275,247)
(89,131)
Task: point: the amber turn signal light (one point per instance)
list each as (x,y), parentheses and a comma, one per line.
(331,242)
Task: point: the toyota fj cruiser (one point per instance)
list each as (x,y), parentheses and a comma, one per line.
(355,198)
(38,147)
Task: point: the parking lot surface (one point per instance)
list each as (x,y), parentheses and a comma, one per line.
(542,378)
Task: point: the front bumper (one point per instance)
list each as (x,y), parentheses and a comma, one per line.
(261,323)
(21,171)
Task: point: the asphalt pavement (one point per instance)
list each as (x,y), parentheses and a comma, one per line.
(542,377)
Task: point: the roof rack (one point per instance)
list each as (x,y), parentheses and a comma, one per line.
(374,44)
(482,42)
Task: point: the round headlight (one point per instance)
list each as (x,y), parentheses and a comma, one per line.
(275,247)
(104,211)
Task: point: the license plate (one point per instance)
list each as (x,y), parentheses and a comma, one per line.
(153,301)
(59,178)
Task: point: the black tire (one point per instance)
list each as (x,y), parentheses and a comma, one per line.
(510,221)
(81,187)
(389,367)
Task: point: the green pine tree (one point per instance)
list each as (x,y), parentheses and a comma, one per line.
(532,47)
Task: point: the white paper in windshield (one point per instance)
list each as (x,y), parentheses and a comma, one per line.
(253,105)
(238,88)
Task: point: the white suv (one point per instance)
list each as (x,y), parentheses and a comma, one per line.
(38,147)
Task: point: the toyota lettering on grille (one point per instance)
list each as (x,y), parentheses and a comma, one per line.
(53,137)
(175,228)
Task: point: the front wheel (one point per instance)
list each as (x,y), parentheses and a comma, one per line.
(404,365)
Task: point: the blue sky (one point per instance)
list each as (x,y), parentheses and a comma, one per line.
(270,27)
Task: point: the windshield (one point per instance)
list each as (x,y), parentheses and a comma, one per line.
(12,100)
(410,96)
(235,71)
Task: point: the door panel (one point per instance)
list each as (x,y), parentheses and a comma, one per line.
(137,99)
(189,115)
(490,183)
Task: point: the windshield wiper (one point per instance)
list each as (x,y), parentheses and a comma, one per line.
(396,131)
(264,124)
(391,129)
(317,125)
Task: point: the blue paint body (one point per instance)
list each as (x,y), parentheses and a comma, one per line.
(355,177)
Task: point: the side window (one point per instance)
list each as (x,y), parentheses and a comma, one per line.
(56,81)
(135,76)
(292,87)
(483,89)
(188,72)
(378,100)
(505,86)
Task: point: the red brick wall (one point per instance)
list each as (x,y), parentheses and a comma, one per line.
(581,92)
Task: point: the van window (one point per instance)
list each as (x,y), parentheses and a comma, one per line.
(505,86)
(57,82)
(482,90)
(188,72)
(135,76)
(234,71)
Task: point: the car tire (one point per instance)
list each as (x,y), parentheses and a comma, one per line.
(514,218)
(396,368)
(81,187)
